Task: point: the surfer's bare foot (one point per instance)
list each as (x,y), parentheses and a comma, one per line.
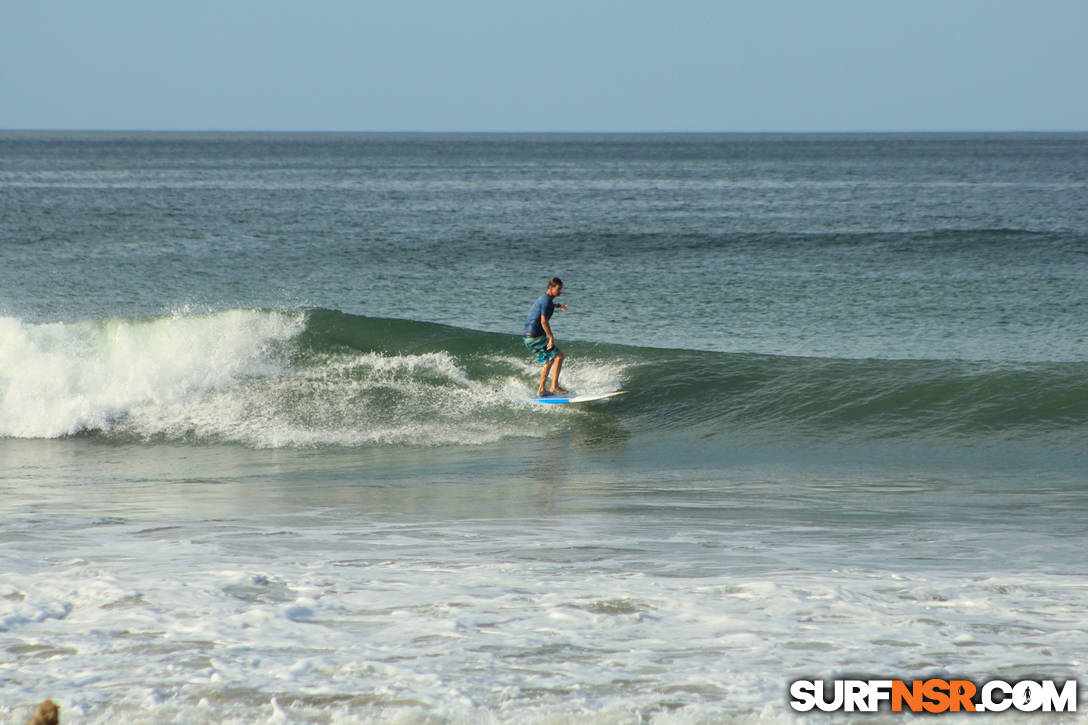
(558,390)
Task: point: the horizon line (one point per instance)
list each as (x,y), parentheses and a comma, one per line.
(540,132)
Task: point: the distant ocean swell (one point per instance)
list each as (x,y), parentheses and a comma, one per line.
(322,377)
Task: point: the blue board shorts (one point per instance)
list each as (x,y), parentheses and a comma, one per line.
(538,346)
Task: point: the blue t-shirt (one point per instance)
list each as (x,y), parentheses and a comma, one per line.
(544,306)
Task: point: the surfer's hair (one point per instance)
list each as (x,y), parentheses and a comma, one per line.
(555,282)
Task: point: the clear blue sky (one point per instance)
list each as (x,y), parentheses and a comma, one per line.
(548,65)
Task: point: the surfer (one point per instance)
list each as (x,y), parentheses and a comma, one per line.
(539,339)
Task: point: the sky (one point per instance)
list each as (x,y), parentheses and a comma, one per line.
(545,65)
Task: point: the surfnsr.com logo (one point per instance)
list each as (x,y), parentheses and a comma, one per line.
(933,696)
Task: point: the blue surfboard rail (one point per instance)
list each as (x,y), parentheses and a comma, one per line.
(570,398)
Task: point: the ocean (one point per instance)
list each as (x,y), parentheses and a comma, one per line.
(266,454)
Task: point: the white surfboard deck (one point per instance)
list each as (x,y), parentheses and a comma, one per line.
(571,398)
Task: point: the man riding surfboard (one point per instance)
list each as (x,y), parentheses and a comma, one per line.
(539,339)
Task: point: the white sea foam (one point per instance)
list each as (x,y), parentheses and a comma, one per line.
(63,378)
(330,617)
(233,376)
(530,582)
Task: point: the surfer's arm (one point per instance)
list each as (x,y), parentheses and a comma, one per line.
(547,331)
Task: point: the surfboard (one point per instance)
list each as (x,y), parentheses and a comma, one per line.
(571,398)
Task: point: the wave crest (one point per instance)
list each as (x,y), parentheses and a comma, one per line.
(322,377)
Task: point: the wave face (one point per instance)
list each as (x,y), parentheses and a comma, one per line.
(322,377)
(869,399)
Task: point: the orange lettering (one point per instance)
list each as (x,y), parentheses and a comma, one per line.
(911,695)
(936,691)
(961,692)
